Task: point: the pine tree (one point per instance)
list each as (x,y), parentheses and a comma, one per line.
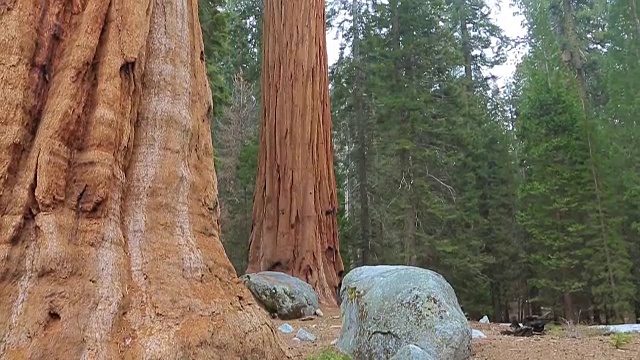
(425,126)
(568,209)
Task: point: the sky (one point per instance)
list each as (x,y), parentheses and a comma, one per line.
(512,25)
(503,15)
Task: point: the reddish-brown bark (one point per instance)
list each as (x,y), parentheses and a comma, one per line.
(109,234)
(295,207)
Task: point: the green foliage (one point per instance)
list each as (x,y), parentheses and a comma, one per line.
(232,37)
(237,162)
(572,202)
(236,228)
(245,26)
(439,171)
(620,107)
(215,33)
(557,183)
(620,340)
(329,354)
(344,223)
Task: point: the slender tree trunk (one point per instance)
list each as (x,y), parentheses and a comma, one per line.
(466,46)
(497,301)
(636,19)
(607,315)
(506,314)
(109,235)
(295,205)
(362,144)
(406,181)
(411,257)
(596,316)
(567,299)
(576,63)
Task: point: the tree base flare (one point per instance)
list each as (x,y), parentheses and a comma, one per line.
(109,233)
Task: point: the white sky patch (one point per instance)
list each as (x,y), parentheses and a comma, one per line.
(504,15)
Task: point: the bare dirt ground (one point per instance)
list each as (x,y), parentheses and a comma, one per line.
(326,328)
(576,343)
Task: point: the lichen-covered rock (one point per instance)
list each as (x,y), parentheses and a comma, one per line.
(412,352)
(282,294)
(385,308)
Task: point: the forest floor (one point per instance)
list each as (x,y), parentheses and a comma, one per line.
(575,343)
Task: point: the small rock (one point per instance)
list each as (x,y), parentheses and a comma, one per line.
(304,335)
(334,341)
(412,352)
(319,313)
(477,334)
(484,320)
(286,328)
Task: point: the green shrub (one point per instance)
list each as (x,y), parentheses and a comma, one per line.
(619,340)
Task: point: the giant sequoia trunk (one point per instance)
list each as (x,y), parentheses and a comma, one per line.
(109,235)
(295,206)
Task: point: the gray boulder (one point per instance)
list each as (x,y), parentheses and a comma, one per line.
(385,308)
(282,294)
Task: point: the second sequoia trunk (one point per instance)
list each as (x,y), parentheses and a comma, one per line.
(295,208)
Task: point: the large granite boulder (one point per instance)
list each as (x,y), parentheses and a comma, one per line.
(284,295)
(385,308)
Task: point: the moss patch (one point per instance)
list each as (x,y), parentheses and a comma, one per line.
(352,293)
(329,354)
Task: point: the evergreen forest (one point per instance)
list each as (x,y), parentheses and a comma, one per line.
(524,192)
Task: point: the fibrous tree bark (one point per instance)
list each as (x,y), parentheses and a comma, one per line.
(295,203)
(109,234)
